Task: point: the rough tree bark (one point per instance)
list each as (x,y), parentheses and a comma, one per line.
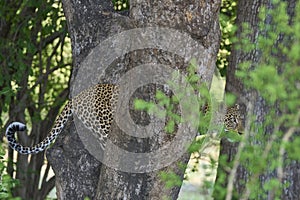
(251,103)
(78,174)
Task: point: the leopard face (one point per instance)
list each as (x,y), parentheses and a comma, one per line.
(233,120)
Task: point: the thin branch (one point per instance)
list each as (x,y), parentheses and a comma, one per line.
(45,75)
(48,186)
(51,38)
(55,109)
(53,53)
(285,139)
(268,148)
(46,173)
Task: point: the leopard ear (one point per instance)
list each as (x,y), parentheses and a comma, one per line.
(237,106)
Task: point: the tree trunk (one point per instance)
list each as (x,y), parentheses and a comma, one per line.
(78,173)
(251,104)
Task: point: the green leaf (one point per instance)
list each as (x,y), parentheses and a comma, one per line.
(170,127)
(230,99)
(232,136)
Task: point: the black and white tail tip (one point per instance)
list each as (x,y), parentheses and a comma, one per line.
(10,135)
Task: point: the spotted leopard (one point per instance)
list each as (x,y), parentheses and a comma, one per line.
(95,107)
(233,120)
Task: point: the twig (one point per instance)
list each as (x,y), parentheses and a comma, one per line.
(285,139)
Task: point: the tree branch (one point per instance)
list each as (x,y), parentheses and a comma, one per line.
(47,187)
(285,140)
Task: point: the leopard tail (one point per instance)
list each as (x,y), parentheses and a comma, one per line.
(55,131)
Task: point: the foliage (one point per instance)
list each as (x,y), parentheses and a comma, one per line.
(171,179)
(35,62)
(120,5)
(166,107)
(276,79)
(7,184)
(227,18)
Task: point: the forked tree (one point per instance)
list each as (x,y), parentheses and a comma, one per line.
(79,174)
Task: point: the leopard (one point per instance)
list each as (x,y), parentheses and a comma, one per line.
(233,121)
(95,107)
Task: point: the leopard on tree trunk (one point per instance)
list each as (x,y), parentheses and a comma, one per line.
(95,107)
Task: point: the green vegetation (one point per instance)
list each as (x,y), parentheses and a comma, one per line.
(227,18)
(6,182)
(275,77)
(35,65)
(120,5)
(170,103)
(35,59)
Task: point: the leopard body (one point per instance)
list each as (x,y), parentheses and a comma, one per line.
(95,107)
